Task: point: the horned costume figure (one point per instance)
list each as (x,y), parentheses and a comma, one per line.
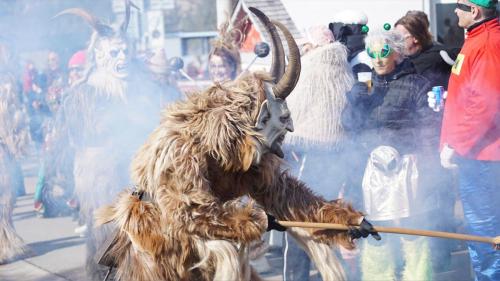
(187,220)
(106,117)
(14,137)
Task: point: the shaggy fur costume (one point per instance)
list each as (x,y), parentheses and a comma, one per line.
(14,136)
(11,245)
(195,167)
(105,130)
(106,115)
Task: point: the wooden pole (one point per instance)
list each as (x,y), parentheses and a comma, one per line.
(420,232)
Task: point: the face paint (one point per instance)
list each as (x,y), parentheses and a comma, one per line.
(383,53)
(273,122)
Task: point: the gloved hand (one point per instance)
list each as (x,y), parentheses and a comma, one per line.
(433,103)
(358,92)
(365,229)
(273,224)
(447,156)
(496,243)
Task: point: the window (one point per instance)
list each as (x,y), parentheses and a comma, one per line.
(195,46)
(445,23)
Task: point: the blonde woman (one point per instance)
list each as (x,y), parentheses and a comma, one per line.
(389,122)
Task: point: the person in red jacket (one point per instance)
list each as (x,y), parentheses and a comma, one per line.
(470,135)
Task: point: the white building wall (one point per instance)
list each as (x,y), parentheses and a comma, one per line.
(306,13)
(173,47)
(224,10)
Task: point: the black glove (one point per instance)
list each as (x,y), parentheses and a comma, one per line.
(273,224)
(358,93)
(365,229)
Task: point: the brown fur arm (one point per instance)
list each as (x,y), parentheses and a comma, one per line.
(287,198)
(199,213)
(139,219)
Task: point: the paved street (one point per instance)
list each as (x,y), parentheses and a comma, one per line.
(56,252)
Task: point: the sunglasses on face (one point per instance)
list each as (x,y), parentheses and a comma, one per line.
(463,7)
(383,53)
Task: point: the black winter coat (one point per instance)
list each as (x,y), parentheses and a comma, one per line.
(394,113)
(431,65)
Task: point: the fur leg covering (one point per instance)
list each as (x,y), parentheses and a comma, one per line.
(146,252)
(98,175)
(378,261)
(321,254)
(222,257)
(11,245)
(247,271)
(141,251)
(417,259)
(95,239)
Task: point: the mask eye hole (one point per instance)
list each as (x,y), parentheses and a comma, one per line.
(378,165)
(392,165)
(285,117)
(114,53)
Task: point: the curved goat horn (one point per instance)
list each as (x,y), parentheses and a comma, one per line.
(278,58)
(285,86)
(126,20)
(95,23)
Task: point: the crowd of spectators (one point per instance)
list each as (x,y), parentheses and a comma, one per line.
(397,142)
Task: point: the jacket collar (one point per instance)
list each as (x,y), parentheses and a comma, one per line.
(402,69)
(478,27)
